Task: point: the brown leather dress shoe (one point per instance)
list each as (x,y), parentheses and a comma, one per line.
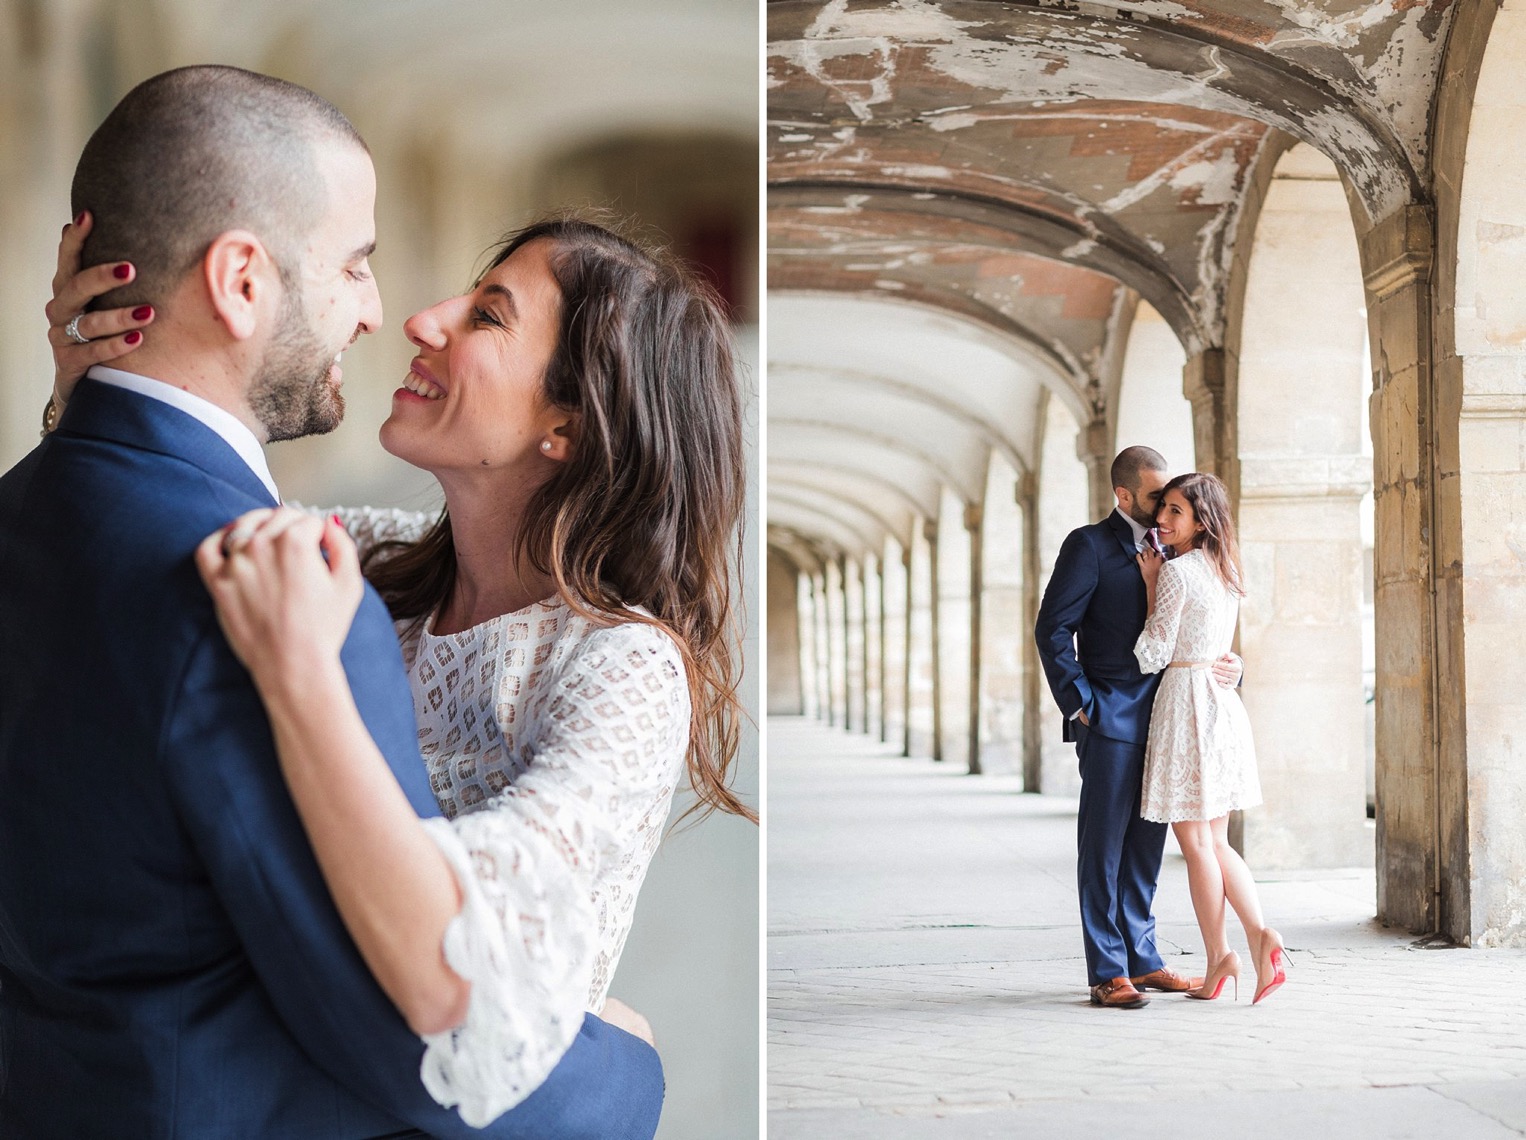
(1118,993)
(1167,981)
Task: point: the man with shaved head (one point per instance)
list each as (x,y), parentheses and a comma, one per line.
(1092,614)
(171,963)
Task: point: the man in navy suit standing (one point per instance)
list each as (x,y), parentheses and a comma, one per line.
(1093,611)
(171,963)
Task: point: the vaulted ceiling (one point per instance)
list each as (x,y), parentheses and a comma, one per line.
(1027,173)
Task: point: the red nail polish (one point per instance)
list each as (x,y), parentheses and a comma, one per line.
(133,337)
(122,272)
(142,312)
(336,522)
(79,218)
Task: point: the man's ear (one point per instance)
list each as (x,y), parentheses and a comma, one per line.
(242,280)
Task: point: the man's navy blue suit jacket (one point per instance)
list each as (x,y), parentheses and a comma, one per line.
(171,963)
(1093,611)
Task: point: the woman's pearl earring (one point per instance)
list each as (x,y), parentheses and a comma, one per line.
(545,445)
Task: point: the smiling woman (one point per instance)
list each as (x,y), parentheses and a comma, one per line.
(567,625)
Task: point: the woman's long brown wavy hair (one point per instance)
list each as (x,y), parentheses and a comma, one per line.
(1209,500)
(647,511)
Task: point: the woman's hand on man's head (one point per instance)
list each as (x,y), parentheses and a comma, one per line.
(109,334)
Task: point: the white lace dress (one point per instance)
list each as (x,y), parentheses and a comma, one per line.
(1200,762)
(554,746)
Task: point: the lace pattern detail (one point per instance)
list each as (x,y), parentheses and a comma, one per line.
(1200,762)
(554,747)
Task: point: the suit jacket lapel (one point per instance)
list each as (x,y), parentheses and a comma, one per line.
(1123,533)
(101,411)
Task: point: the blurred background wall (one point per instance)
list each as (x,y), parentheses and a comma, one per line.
(480,117)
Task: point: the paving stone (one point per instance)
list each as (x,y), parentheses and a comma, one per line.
(926,979)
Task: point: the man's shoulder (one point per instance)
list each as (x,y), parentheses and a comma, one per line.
(1093,533)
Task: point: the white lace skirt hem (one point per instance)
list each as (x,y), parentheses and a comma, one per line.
(1200,762)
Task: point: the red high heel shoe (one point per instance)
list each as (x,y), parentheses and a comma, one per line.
(1224,969)
(1276,960)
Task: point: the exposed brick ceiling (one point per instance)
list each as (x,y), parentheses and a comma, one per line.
(1037,168)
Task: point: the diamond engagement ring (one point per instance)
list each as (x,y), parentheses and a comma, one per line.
(71,330)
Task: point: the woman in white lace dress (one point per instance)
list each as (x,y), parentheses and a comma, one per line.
(567,627)
(1200,763)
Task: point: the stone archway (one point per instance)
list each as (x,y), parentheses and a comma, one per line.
(1302,474)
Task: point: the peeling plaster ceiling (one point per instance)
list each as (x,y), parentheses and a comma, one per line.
(1035,168)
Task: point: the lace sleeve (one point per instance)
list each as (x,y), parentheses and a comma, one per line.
(606,745)
(1157,641)
(369,526)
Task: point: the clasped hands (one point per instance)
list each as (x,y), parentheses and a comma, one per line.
(286,585)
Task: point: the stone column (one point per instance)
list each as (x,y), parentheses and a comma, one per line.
(1035,692)
(1094,448)
(871,590)
(951,568)
(1480,365)
(975,530)
(936,639)
(805,610)
(921,651)
(894,611)
(855,688)
(823,640)
(1207,385)
(1004,628)
(1396,258)
(1066,499)
(785,691)
(837,644)
(906,659)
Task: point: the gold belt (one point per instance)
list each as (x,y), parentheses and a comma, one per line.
(1190,665)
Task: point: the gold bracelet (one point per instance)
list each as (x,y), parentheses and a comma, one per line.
(50,414)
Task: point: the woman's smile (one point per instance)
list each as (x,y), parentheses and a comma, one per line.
(420,384)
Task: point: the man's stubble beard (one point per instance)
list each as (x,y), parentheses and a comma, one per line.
(291,395)
(1144,518)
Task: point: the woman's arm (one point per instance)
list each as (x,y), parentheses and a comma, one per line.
(510,974)
(369,527)
(286,613)
(1167,597)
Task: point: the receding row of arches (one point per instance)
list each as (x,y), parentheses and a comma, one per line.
(954,357)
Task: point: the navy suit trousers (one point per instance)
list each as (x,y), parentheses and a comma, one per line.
(1119,860)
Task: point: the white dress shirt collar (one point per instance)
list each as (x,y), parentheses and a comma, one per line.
(228,426)
(1139,531)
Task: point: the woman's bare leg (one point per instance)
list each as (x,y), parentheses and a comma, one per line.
(1239,884)
(1205,879)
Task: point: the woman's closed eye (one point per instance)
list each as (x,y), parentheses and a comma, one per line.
(481,316)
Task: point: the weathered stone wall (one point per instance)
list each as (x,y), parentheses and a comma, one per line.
(1480,368)
(1302,481)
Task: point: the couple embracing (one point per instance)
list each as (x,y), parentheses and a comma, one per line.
(1134,634)
(330,825)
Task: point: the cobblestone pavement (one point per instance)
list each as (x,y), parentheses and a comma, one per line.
(926,980)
